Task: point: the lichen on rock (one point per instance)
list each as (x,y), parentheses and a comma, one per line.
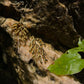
(37,31)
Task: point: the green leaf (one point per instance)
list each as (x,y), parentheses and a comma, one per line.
(81,43)
(70,62)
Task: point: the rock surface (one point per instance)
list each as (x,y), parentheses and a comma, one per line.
(37,33)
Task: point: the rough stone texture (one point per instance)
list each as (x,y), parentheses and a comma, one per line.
(33,33)
(32,57)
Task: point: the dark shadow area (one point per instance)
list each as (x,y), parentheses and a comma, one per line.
(80,75)
(7,72)
(9,12)
(5,39)
(76,10)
